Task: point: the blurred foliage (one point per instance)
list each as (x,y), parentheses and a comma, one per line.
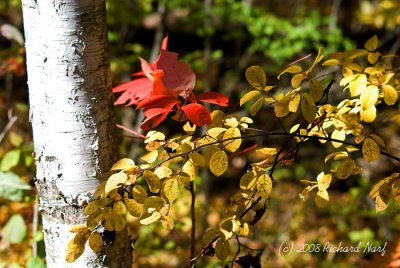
(241,33)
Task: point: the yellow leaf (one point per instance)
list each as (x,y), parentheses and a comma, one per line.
(197,159)
(369,96)
(77,228)
(247,181)
(264,185)
(294,103)
(345,169)
(297,79)
(331,62)
(118,223)
(133,207)
(256,106)
(171,190)
(267,151)
(168,223)
(324,181)
(124,164)
(370,150)
(372,43)
(219,163)
(368,115)
(96,242)
(373,57)
(215,132)
(100,190)
(154,136)
(358,85)
(256,77)
(294,69)
(232,133)
(115,181)
(390,94)
(153,181)
(76,246)
(316,90)
(321,199)
(338,135)
(189,128)
(150,157)
(119,208)
(139,194)
(94,218)
(95,205)
(380,204)
(378,139)
(281,107)
(163,172)
(191,169)
(243,230)
(308,108)
(222,249)
(150,218)
(248,96)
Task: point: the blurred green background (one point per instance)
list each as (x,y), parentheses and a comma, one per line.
(219,39)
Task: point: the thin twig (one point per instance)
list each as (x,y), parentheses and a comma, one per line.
(193,232)
(10,123)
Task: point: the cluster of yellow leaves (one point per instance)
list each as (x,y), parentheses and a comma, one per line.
(369,78)
(384,190)
(146,191)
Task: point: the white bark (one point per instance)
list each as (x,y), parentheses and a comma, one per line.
(72,119)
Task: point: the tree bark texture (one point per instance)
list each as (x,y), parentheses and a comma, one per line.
(72,119)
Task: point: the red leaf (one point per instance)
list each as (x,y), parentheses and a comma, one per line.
(154,117)
(197,114)
(133,91)
(178,77)
(213,97)
(158,101)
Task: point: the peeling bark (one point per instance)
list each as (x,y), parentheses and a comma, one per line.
(72,119)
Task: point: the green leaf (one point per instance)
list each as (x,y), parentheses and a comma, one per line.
(12,187)
(35,262)
(14,231)
(10,160)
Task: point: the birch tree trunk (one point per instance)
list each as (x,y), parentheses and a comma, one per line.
(72,119)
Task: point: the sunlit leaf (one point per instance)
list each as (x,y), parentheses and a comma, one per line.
(232,139)
(264,185)
(293,69)
(115,181)
(133,207)
(10,159)
(321,199)
(248,96)
(369,97)
(338,135)
(171,190)
(14,231)
(390,95)
(324,181)
(219,163)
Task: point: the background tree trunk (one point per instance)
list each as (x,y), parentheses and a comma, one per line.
(72,119)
